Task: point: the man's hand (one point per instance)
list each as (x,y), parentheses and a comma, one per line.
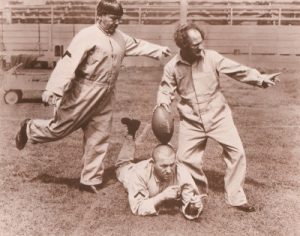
(196,201)
(194,206)
(270,80)
(164,105)
(171,192)
(166,51)
(49,98)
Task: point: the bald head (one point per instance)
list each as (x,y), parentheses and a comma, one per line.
(162,151)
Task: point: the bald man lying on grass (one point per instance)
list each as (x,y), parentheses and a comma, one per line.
(157,183)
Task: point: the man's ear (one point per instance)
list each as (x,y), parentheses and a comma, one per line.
(99,18)
(151,160)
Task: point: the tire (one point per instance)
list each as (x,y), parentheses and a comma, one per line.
(12,96)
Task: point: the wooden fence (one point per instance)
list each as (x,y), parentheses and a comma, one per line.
(252,33)
(247,42)
(157,12)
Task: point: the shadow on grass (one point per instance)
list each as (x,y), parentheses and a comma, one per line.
(109,178)
(216,181)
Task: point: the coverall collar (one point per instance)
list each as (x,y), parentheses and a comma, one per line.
(102,30)
(179,58)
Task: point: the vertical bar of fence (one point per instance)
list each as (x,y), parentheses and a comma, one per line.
(8,14)
(231,15)
(140,15)
(52,15)
(2,48)
(250,54)
(183,11)
(39,31)
(50,38)
(2,33)
(279,15)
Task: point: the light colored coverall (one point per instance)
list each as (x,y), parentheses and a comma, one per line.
(85,79)
(204,113)
(142,185)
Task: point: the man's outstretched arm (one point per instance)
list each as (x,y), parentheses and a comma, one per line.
(243,73)
(139,47)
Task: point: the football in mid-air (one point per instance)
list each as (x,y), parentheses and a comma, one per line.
(162,124)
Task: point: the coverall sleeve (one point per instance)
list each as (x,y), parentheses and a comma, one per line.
(138,195)
(238,71)
(189,193)
(65,68)
(167,87)
(138,47)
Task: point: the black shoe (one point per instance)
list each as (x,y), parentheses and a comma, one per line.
(132,125)
(246,207)
(21,137)
(90,188)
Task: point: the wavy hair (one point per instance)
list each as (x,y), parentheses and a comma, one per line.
(113,7)
(181,36)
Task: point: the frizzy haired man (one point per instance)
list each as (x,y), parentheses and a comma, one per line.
(204,113)
(181,37)
(82,88)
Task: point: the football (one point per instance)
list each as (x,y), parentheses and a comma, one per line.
(162,124)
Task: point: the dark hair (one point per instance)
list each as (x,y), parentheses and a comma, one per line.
(181,37)
(113,7)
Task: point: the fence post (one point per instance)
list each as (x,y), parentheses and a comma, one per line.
(2,47)
(50,37)
(140,15)
(2,61)
(231,15)
(183,11)
(39,31)
(250,54)
(7,15)
(279,16)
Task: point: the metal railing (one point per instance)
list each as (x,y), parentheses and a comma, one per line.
(155,14)
(258,15)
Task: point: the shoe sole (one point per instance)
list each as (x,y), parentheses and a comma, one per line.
(89,188)
(21,137)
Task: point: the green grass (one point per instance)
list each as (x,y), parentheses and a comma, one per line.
(39,185)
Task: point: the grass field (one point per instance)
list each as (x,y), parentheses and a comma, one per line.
(39,185)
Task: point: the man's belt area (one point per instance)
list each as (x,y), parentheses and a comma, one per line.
(85,81)
(198,100)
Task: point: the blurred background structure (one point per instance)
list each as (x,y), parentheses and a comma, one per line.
(251,29)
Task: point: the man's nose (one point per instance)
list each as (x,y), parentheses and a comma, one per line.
(168,169)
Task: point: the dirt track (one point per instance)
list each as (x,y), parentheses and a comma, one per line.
(39,185)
